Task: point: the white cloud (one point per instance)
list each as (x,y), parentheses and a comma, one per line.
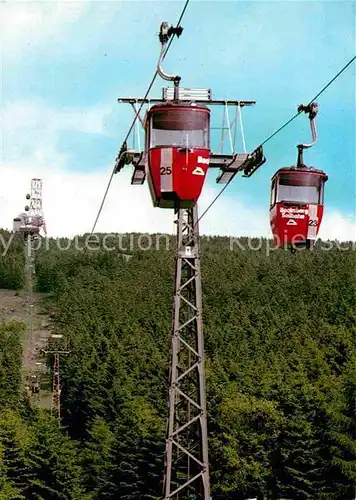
(34,21)
(36,113)
(72,199)
(71,202)
(336,226)
(230,216)
(30,130)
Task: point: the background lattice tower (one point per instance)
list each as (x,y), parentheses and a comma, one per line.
(57,346)
(29,280)
(35,211)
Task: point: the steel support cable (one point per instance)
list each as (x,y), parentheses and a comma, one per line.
(276,132)
(137,115)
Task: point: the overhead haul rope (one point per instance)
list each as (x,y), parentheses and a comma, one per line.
(137,115)
(275,133)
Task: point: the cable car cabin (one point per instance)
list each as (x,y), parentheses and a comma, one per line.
(297,197)
(177,142)
(30,228)
(17,224)
(27,225)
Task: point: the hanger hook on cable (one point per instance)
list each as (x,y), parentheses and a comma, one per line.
(165,33)
(312,109)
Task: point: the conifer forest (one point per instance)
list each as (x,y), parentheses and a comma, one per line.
(280,360)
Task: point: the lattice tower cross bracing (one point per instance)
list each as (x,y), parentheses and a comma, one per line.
(36,198)
(56,347)
(186,459)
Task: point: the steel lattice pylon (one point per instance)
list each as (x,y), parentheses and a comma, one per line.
(29,272)
(186,457)
(56,347)
(35,209)
(29,267)
(56,397)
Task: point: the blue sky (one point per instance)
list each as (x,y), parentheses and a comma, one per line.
(64,64)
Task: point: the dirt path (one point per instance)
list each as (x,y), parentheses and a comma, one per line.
(12,306)
(15,307)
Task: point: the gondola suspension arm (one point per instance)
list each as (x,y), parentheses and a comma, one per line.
(312,109)
(164,35)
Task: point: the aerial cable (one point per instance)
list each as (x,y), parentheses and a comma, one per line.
(137,116)
(277,131)
(310,102)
